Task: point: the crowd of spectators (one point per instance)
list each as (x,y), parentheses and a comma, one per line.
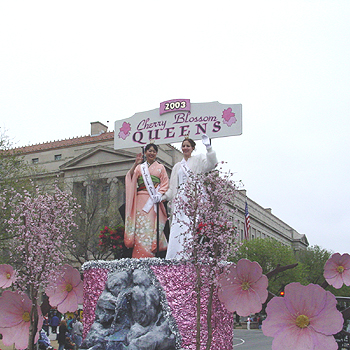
(68,330)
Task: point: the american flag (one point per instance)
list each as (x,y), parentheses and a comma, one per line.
(246,222)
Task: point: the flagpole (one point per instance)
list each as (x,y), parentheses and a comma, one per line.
(157,230)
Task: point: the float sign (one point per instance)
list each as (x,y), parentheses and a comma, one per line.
(176,119)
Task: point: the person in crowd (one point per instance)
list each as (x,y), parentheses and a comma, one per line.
(62,334)
(77,333)
(46,327)
(70,324)
(145,183)
(44,342)
(189,164)
(54,322)
(68,344)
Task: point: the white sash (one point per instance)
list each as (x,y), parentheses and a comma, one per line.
(186,170)
(150,188)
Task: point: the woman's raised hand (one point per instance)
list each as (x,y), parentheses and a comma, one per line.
(138,159)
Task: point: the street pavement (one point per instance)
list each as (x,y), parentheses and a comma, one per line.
(244,339)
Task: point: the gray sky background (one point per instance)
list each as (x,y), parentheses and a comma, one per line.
(64,64)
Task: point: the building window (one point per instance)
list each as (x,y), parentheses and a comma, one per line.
(58,156)
(35,160)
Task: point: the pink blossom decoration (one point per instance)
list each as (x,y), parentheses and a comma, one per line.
(66,292)
(304,319)
(337,270)
(7,275)
(15,319)
(124,131)
(229,117)
(243,288)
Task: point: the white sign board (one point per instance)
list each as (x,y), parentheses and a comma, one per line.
(176,119)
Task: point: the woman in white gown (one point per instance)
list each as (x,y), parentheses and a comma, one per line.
(196,164)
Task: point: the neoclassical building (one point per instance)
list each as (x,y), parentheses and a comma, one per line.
(91,168)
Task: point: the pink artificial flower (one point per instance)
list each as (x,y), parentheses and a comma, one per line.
(244,288)
(337,270)
(15,319)
(229,117)
(7,275)
(66,292)
(304,319)
(124,131)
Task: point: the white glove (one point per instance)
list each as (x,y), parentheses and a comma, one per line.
(157,198)
(206,140)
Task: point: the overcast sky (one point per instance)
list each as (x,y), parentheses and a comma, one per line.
(64,64)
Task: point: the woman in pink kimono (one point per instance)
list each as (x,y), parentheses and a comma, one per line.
(144,185)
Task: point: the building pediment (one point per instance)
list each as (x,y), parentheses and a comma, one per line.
(98,156)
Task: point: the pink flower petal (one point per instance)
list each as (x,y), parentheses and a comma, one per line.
(246,269)
(248,302)
(72,275)
(18,335)
(346,277)
(79,291)
(336,281)
(321,321)
(69,304)
(12,308)
(260,286)
(302,298)
(58,297)
(293,338)
(278,317)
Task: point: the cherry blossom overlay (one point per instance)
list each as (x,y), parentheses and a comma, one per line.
(15,319)
(124,131)
(337,270)
(305,318)
(229,117)
(243,288)
(7,275)
(66,292)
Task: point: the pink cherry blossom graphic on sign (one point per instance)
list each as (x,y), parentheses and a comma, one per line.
(337,270)
(7,275)
(228,116)
(66,292)
(124,131)
(15,319)
(243,288)
(305,318)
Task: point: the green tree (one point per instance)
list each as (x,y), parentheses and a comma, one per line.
(312,261)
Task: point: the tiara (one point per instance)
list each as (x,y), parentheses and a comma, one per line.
(151,141)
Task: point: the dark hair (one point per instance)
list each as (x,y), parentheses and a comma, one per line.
(151,145)
(192,143)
